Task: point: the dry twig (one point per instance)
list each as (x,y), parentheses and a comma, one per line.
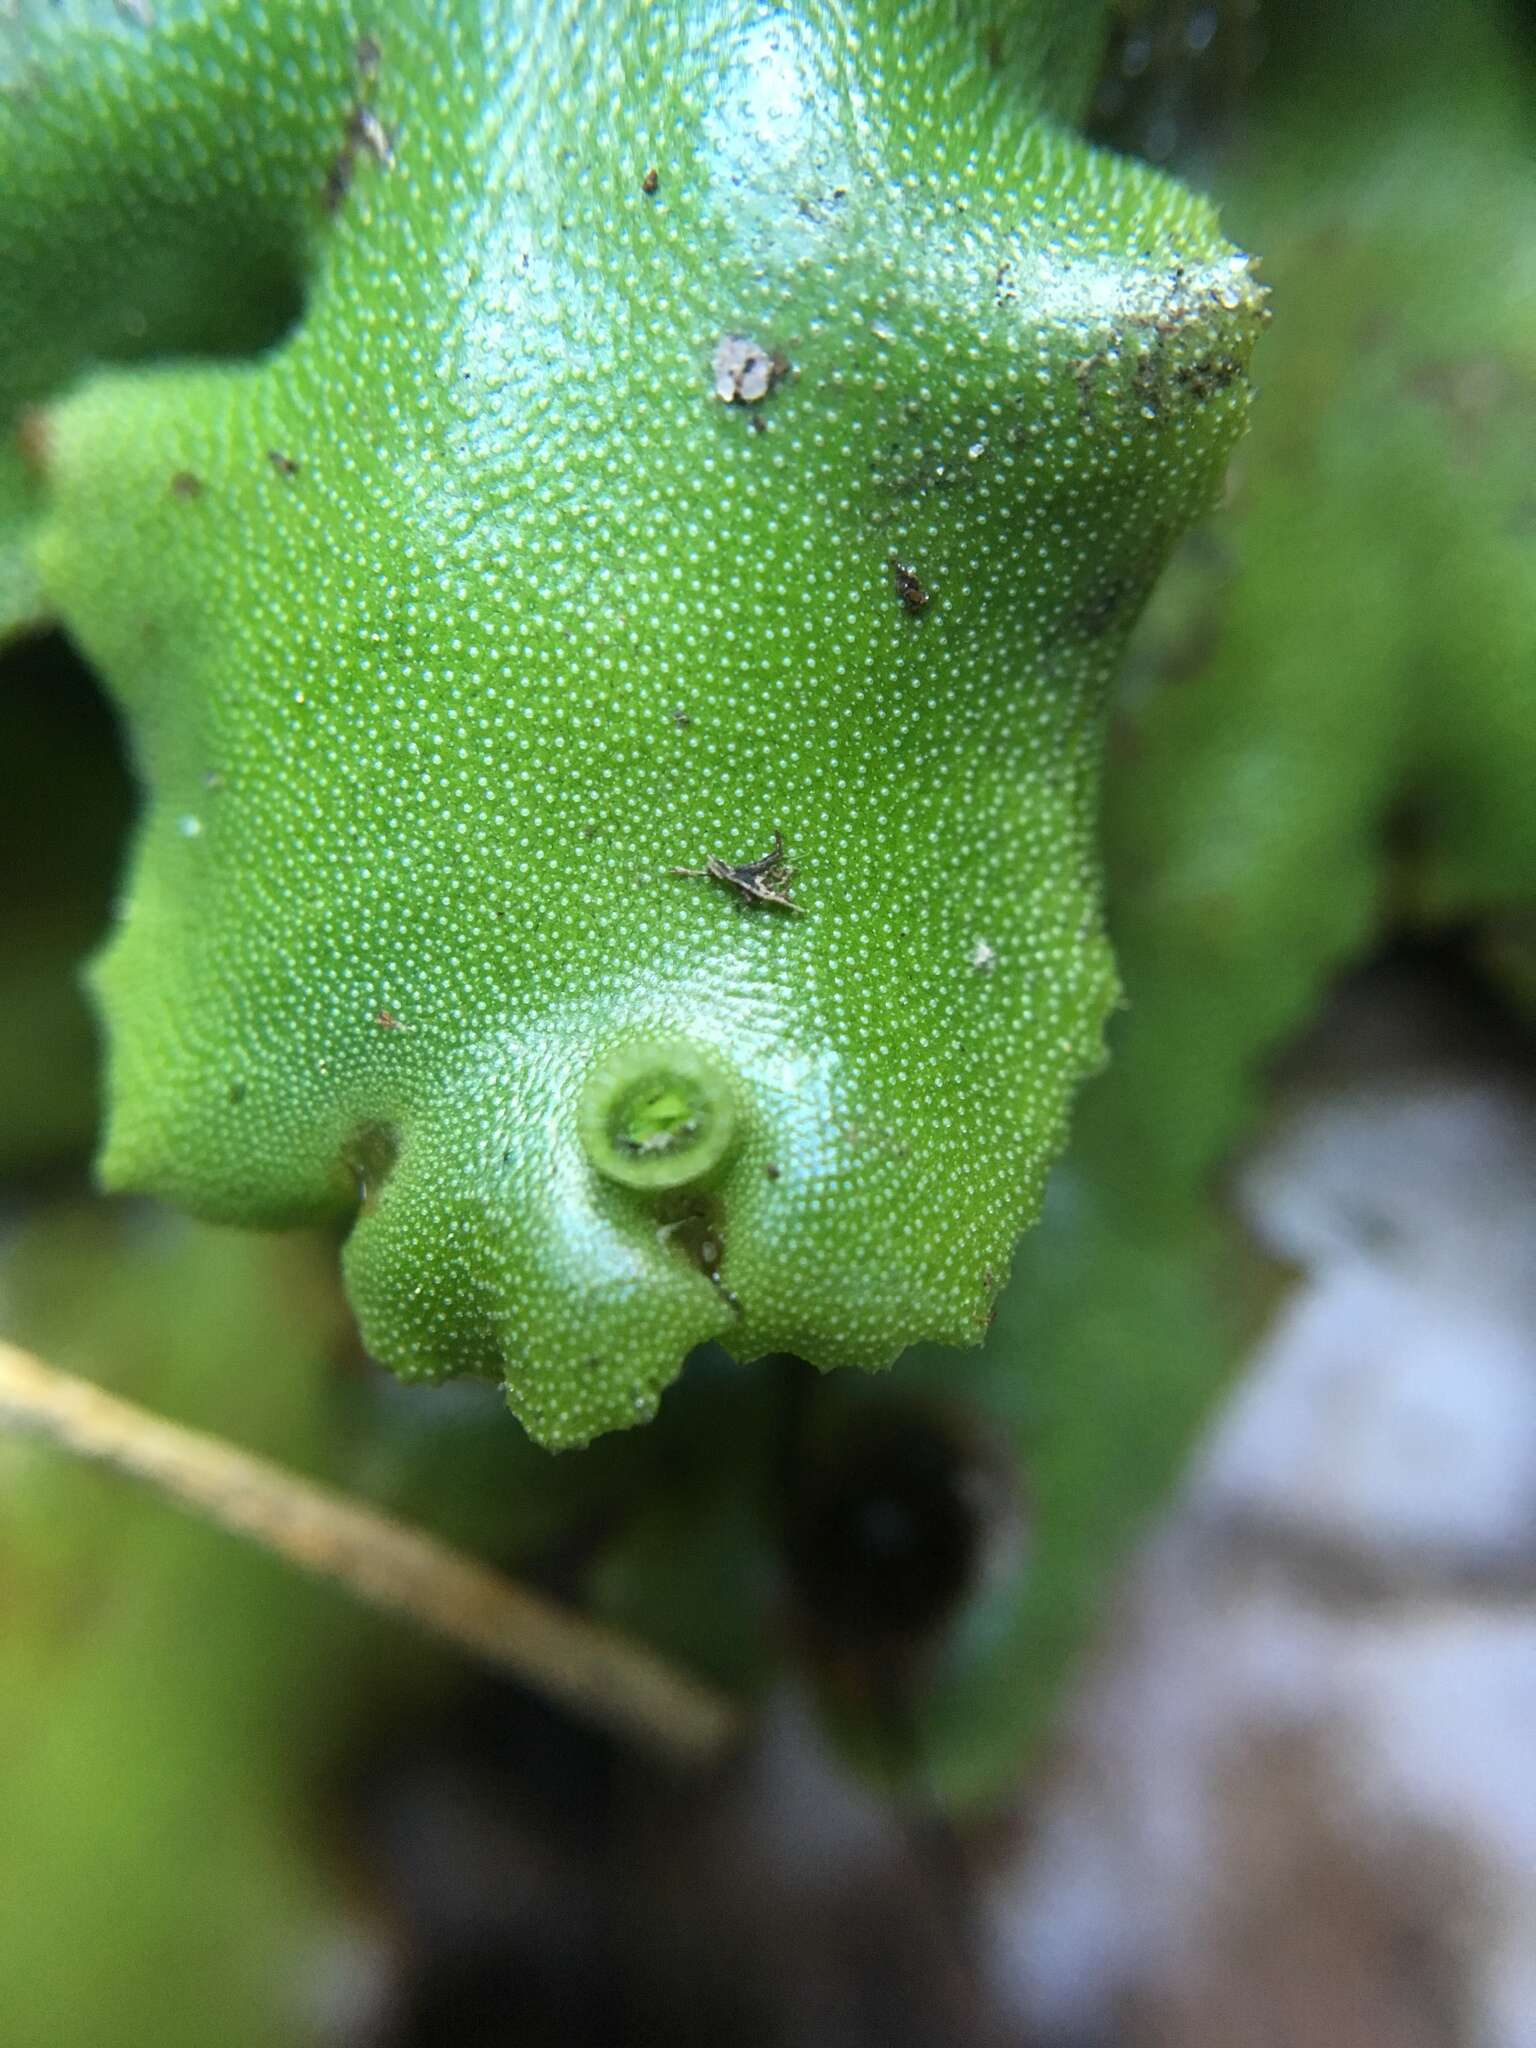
(602,1676)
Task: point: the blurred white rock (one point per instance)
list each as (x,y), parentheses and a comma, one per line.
(1296,1803)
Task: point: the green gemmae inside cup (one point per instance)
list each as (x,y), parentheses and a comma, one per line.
(658,1113)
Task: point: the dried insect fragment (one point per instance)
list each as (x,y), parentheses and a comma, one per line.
(364,131)
(369,133)
(765,880)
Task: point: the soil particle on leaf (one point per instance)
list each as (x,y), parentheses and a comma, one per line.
(1208,376)
(909,587)
(651,180)
(283,464)
(185,485)
(745,370)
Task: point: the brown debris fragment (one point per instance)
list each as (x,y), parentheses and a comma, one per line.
(651,180)
(283,464)
(1208,376)
(338,180)
(34,439)
(909,588)
(185,485)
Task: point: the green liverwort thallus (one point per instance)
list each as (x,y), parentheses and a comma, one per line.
(548,550)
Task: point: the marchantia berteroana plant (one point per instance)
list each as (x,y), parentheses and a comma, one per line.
(610,528)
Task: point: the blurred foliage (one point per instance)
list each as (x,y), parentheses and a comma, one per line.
(165,1693)
(1326,735)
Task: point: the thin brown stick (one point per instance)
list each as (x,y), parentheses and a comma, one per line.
(595,1672)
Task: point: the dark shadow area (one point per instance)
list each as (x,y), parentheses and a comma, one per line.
(69,801)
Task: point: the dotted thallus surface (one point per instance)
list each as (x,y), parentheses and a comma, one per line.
(488,608)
